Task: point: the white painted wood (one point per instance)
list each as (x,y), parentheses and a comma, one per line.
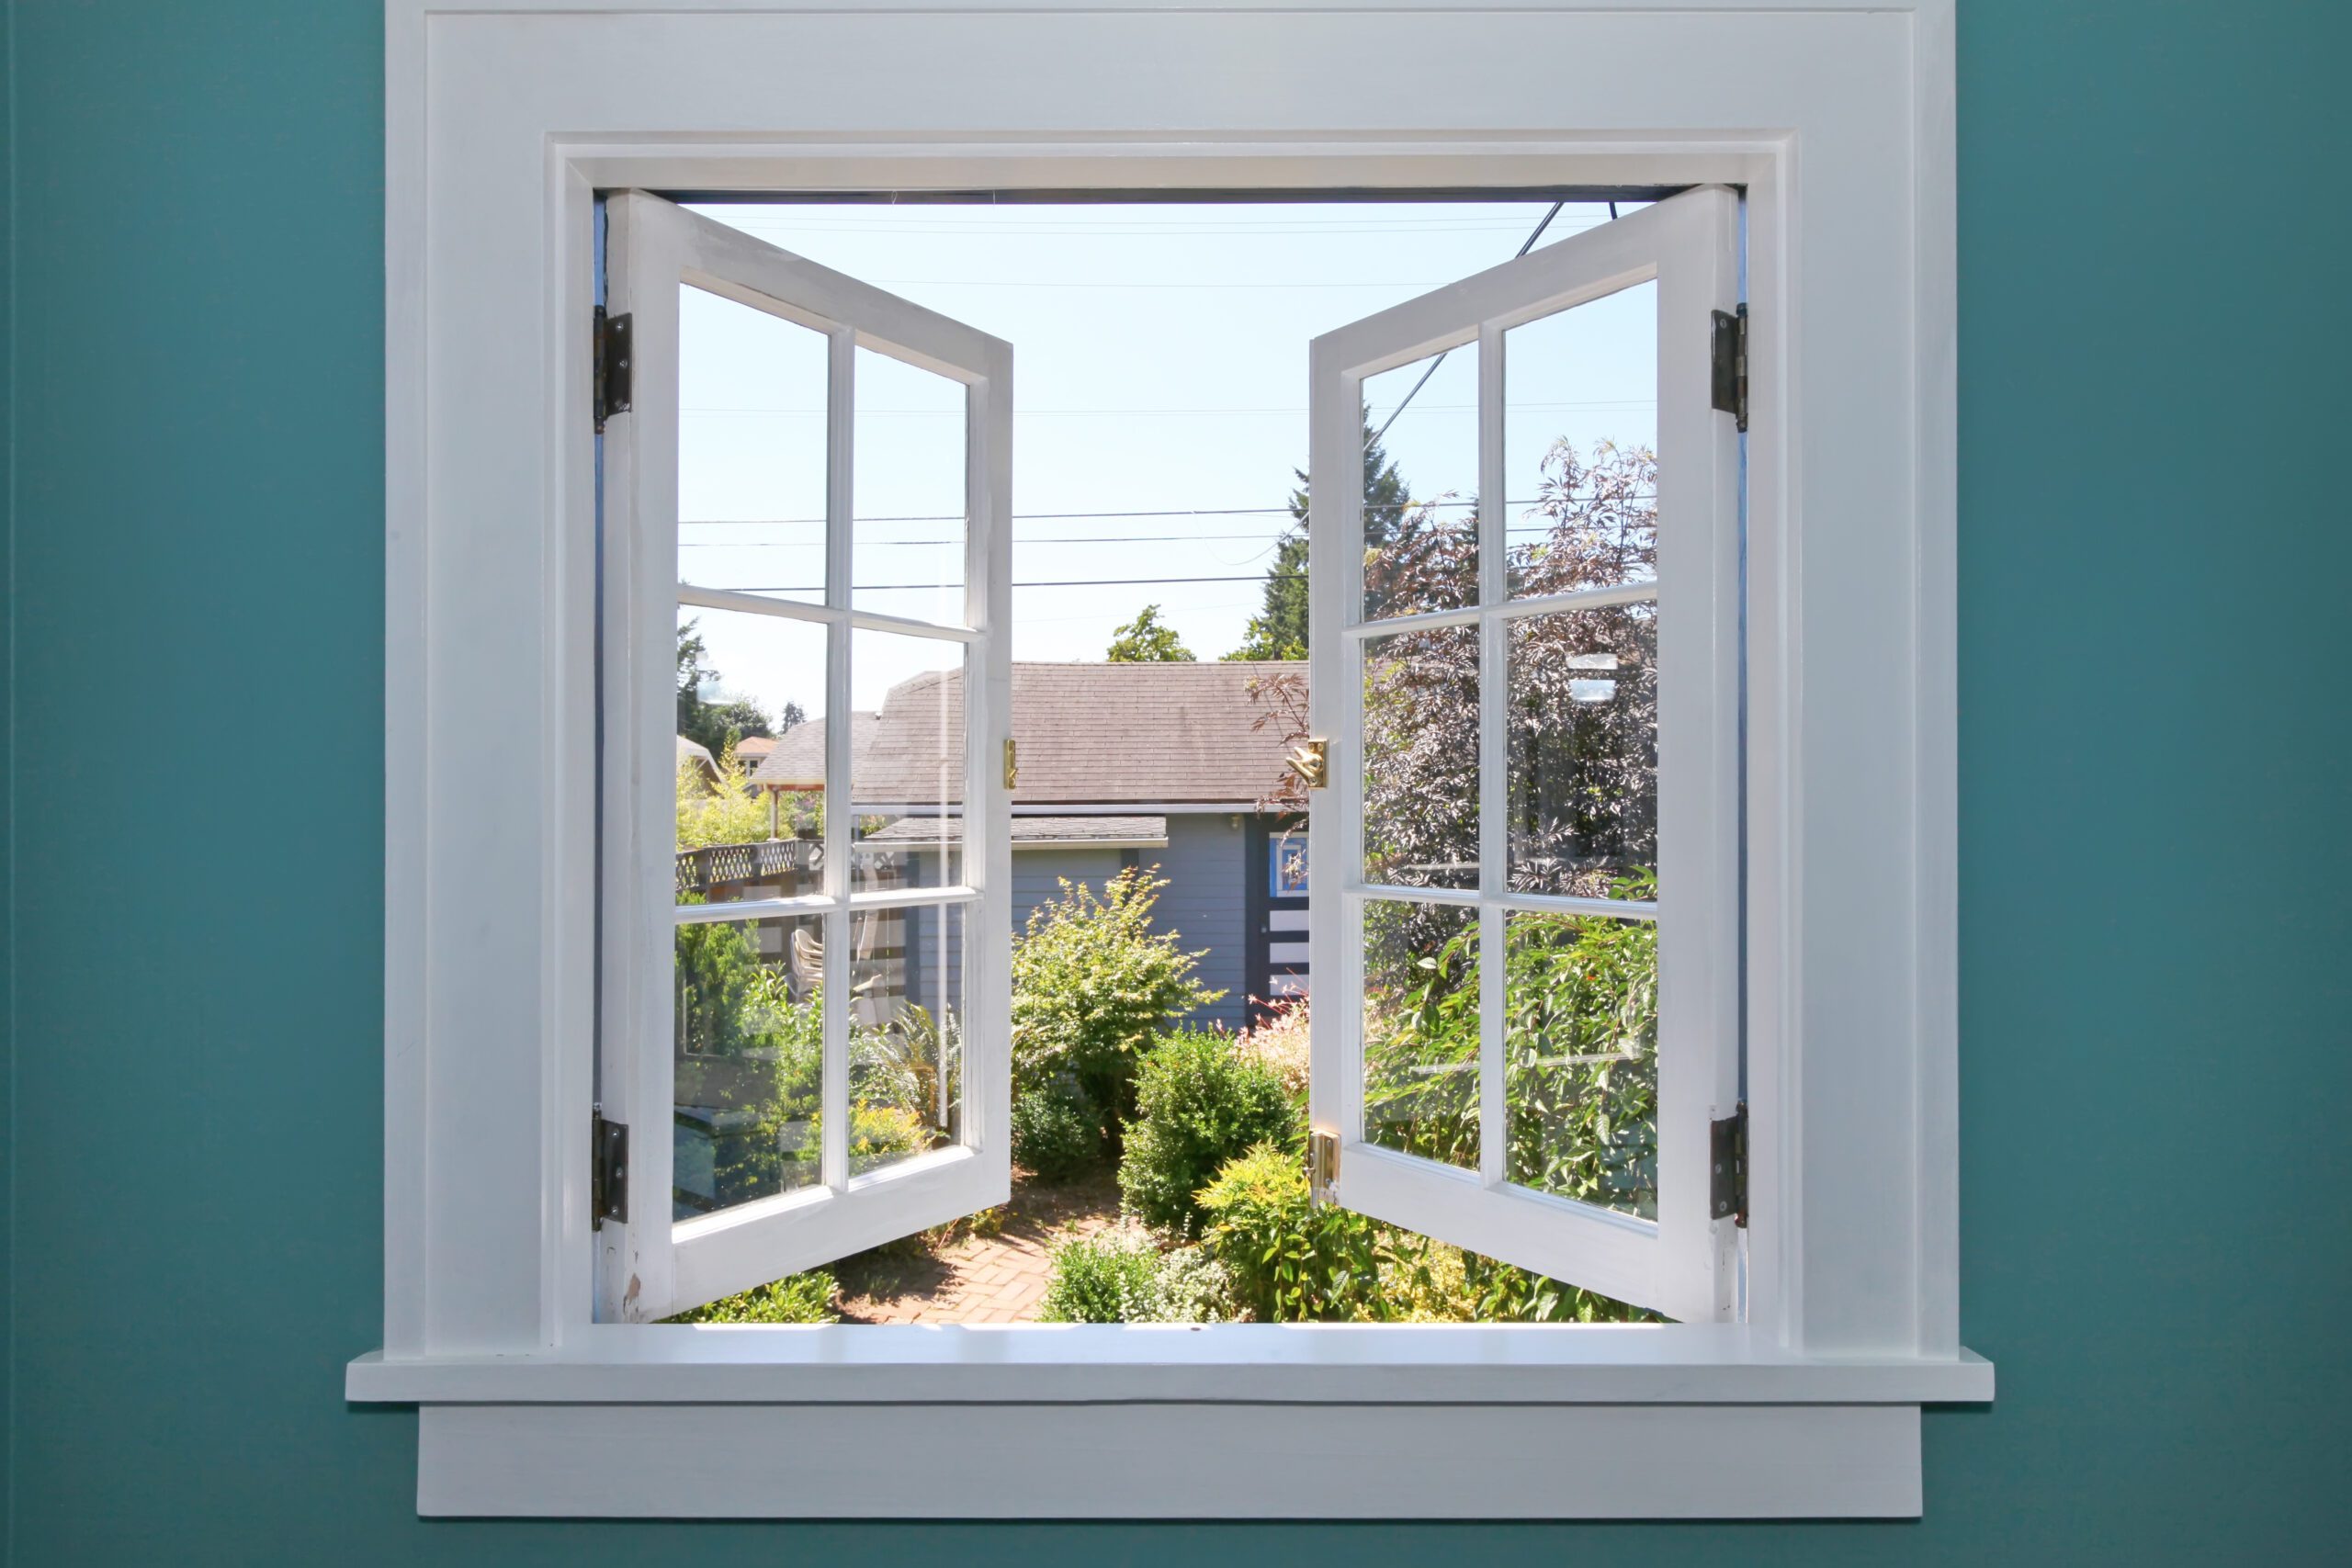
(653,1265)
(500,117)
(1681,1265)
(792,610)
(1343,1364)
(1207,1461)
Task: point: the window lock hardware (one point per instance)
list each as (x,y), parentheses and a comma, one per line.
(608,1154)
(1311,760)
(1728,346)
(1727,1166)
(1011,765)
(1322,1166)
(611,355)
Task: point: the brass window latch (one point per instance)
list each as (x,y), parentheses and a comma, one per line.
(1011,766)
(1311,760)
(1322,1166)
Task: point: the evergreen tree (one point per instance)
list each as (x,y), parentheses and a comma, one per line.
(1279,630)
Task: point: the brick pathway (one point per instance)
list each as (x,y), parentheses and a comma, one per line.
(997,1279)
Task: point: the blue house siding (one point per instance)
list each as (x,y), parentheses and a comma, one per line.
(1206,900)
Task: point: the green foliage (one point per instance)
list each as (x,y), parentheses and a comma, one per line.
(1055,1132)
(1147,641)
(1292,1261)
(1579,1042)
(1120,1275)
(727,812)
(1092,984)
(795,1298)
(1199,1103)
(1111,1277)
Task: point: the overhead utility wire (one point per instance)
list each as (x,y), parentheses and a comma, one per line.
(1441,358)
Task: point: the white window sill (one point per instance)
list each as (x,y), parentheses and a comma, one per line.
(1240,1421)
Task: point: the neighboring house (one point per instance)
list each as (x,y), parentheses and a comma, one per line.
(1119,765)
(697,753)
(795,761)
(753,749)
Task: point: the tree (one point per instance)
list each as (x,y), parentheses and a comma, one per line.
(1145,640)
(714,726)
(1279,629)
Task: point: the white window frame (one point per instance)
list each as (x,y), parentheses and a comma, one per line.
(1684,1263)
(502,120)
(647,1265)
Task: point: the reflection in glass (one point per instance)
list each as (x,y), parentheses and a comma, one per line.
(748,1016)
(907,492)
(1420,1030)
(906,1033)
(1579,445)
(1420,758)
(739,807)
(1583,764)
(1580,1053)
(1420,486)
(751,391)
(906,770)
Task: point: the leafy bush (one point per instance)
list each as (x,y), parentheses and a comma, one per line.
(1111,1277)
(1092,984)
(1279,1045)
(1289,1260)
(1198,1105)
(722,811)
(795,1298)
(1194,1286)
(1054,1131)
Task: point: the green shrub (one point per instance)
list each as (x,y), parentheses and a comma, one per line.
(1111,1277)
(1092,984)
(1054,1131)
(795,1298)
(1194,1286)
(1199,1104)
(1289,1260)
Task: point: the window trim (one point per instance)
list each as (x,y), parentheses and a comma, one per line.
(1853,1276)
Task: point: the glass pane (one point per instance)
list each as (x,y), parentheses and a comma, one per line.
(750,1052)
(1583,728)
(907,774)
(751,754)
(1580,446)
(906,1033)
(751,450)
(1420,479)
(1420,758)
(1420,1030)
(906,547)
(1580,1053)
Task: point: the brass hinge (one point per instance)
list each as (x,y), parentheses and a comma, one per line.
(1322,1166)
(1727,1162)
(1727,344)
(612,373)
(608,1179)
(1311,760)
(1011,765)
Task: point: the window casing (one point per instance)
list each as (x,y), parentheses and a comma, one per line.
(500,128)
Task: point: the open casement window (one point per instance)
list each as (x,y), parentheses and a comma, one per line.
(805,994)
(1526,943)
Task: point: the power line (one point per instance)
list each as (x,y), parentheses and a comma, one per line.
(1588,407)
(1091,516)
(1424,382)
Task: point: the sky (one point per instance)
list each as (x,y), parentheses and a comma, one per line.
(1159,414)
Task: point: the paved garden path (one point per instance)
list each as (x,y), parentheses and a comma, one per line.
(979,1279)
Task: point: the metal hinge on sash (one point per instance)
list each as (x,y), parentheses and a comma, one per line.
(1728,346)
(1727,1162)
(608,1182)
(611,353)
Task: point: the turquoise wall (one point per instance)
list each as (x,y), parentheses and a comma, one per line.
(2155,560)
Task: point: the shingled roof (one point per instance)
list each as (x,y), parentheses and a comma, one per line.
(1092,735)
(798,760)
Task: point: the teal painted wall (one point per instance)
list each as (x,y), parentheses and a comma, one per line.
(2156,548)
